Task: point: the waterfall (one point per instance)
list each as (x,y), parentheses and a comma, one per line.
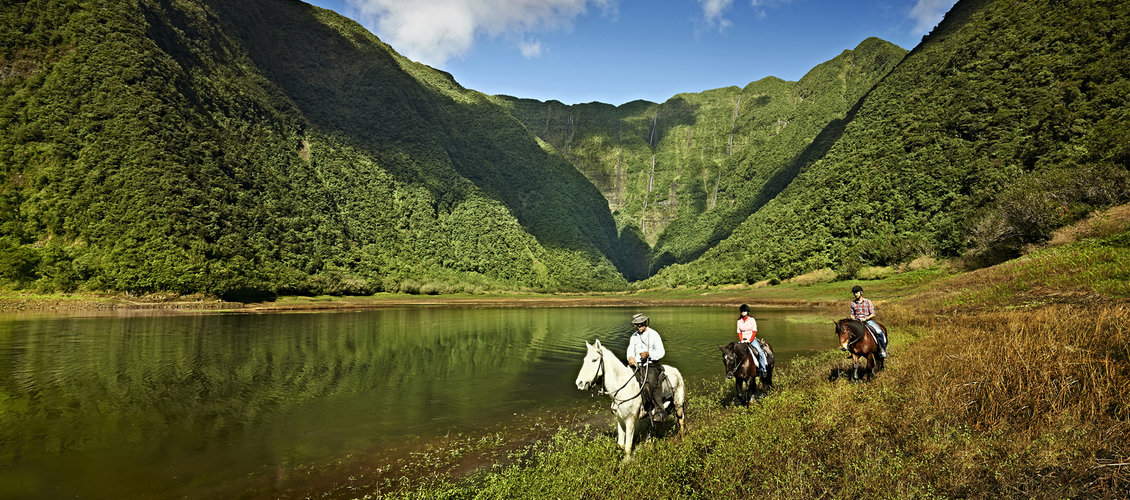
(714,199)
(654,120)
(651,175)
(569,133)
(619,152)
(545,132)
(734,124)
(650,184)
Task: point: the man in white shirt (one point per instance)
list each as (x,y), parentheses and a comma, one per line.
(645,349)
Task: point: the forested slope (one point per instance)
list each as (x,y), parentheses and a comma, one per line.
(268,146)
(686,172)
(1010,119)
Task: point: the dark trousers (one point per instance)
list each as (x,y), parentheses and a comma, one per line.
(649,377)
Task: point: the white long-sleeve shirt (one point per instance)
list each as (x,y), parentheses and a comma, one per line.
(647,341)
(747,329)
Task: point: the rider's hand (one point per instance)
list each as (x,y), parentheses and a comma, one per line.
(645,355)
(631,361)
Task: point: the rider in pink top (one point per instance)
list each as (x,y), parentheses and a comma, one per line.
(747,332)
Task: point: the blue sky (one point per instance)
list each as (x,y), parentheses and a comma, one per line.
(615,51)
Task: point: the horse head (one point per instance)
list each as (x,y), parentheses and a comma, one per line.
(850,332)
(592,368)
(730,358)
(844,333)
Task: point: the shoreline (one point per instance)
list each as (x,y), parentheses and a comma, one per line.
(14,304)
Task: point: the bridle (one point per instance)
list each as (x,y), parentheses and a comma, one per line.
(598,388)
(852,337)
(737,362)
(733,373)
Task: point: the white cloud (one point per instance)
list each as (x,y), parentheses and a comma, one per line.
(761,7)
(928,13)
(530,48)
(434,31)
(712,11)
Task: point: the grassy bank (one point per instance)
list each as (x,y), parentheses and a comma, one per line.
(1011,381)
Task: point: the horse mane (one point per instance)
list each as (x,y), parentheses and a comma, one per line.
(607,353)
(858,328)
(733,348)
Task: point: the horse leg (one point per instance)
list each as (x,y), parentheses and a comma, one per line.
(855,367)
(629,436)
(679,415)
(620,433)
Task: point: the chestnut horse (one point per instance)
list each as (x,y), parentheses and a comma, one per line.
(857,339)
(741,365)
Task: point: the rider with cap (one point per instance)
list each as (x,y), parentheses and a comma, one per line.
(645,349)
(863,310)
(747,333)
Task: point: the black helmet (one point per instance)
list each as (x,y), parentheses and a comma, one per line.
(856,288)
(744,308)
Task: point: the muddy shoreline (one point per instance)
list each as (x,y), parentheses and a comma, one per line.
(17,304)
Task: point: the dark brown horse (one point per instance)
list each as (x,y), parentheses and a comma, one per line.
(857,339)
(741,365)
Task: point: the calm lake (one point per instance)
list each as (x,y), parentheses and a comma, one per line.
(172,405)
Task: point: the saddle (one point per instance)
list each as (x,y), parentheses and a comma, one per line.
(753,353)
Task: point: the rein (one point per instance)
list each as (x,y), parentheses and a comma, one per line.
(852,338)
(600,389)
(738,364)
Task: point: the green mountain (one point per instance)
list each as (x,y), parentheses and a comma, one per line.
(1009,120)
(259,147)
(268,146)
(686,172)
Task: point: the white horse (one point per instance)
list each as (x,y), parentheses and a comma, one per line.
(619,383)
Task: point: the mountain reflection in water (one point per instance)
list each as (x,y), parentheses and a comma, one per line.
(160,405)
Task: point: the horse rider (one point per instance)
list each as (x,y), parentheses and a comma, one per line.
(747,333)
(863,310)
(645,349)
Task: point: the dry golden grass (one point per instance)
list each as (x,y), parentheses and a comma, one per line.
(1097,225)
(1045,390)
(825,275)
(875,272)
(922,262)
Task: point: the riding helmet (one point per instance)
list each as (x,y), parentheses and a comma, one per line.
(744,308)
(856,288)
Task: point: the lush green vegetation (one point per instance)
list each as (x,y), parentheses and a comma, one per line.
(683,174)
(1007,121)
(269,147)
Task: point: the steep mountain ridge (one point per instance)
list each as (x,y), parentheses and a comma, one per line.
(686,172)
(266,147)
(1010,119)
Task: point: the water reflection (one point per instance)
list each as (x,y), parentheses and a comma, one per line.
(152,406)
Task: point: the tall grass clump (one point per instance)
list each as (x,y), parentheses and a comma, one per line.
(1024,401)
